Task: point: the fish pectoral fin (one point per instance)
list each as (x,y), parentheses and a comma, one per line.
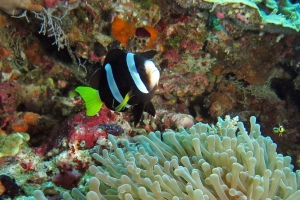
(149,54)
(91,98)
(122,105)
(149,108)
(137,112)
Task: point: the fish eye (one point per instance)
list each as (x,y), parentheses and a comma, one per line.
(281,129)
(141,70)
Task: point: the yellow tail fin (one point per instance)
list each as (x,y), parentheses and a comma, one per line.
(91,98)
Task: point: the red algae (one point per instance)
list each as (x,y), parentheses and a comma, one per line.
(82,128)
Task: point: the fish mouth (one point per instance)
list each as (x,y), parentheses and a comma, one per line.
(155,75)
(154,71)
(154,78)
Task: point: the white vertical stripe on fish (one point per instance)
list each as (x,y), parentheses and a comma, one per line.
(113,85)
(134,74)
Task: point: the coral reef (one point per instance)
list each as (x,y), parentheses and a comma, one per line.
(10,144)
(10,188)
(122,31)
(215,57)
(170,120)
(15,7)
(9,97)
(274,17)
(72,175)
(87,130)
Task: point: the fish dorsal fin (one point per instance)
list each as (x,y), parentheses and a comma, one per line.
(148,54)
(111,55)
(94,80)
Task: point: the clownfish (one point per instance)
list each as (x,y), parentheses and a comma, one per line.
(125,79)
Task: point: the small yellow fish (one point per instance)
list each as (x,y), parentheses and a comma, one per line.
(279,130)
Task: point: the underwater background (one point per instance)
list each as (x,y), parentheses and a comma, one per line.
(220,62)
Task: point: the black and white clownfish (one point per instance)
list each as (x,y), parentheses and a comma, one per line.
(125,80)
